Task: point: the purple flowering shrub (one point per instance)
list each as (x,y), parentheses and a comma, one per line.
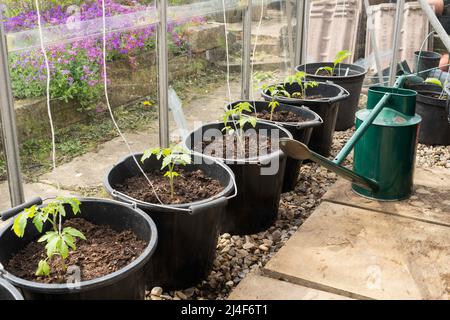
(76,68)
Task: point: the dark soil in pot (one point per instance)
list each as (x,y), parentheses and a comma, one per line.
(434,129)
(188,231)
(348,76)
(104,274)
(259,178)
(189,187)
(326,107)
(299,121)
(104,251)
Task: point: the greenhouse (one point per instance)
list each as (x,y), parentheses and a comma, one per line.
(257,150)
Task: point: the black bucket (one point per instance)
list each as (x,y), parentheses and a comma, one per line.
(434,129)
(424,61)
(351,78)
(327,108)
(125,284)
(188,233)
(255,208)
(8,292)
(300,131)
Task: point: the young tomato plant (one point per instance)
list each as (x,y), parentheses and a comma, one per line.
(273,105)
(237,113)
(58,240)
(340,56)
(299,78)
(172,157)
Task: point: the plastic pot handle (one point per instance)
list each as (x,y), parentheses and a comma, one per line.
(344,94)
(201,208)
(16,210)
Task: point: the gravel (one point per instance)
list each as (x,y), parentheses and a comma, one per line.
(237,256)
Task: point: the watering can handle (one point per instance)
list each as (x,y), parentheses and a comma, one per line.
(5,215)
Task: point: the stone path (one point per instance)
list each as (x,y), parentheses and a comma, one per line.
(363,249)
(88,170)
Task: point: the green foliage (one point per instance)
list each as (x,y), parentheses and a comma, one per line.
(78,78)
(236,113)
(434,81)
(173,156)
(340,56)
(57,241)
(273,105)
(279,90)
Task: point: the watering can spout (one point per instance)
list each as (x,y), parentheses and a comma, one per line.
(299,151)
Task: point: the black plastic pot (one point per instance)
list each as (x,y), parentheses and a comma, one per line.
(327,108)
(434,129)
(348,76)
(127,283)
(255,207)
(9,292)
(424,61)
(188,232)
(301,131)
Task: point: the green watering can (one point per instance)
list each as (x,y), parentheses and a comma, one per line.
(385,144)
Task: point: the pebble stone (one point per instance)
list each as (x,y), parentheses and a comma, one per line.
(238,256)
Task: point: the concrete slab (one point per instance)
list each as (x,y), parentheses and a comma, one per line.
(430,201)
(365,254)
(258,287)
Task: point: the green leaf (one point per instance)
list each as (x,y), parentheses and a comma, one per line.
(63,249)
(48,236)
(75,204)
(252,121)
(52,246)
(20,223)
(70,241)
(74,232)
(43,269)
(327,69)
(434,81)
(167,161)
(341,56)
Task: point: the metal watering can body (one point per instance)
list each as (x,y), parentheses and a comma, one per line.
(386,153)
(384,143)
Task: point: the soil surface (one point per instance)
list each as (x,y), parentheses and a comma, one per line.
(280,116)
(250,145)
(188,187)
(434,95)
(105,251)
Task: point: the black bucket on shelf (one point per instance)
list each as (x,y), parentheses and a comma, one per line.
(255,208)
(301,131)
(326,107)
(435,128)
(127,283)
(425,61)
(188,233)
(348,76)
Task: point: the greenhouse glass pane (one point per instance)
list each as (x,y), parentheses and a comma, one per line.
(198,60)
(87,143)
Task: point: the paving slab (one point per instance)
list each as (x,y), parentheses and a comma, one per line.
(258,287)
(430,201)
(366,254)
